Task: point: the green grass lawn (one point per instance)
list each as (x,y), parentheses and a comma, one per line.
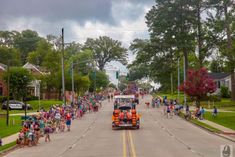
(225,119)
(7,146)
(35,104)
(224,104)
(206,126)
(14,126)
(44,103)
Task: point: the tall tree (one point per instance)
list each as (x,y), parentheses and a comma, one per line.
(10,55)
(171,24)
(37,57)
(105,50)
(26,42)
(83,61)
(19,79)
(222,28)
(7,38)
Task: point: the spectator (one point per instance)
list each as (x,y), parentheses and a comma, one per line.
(0,141)
(202,113)
(47,131)
(188,113)
(198,112)
(68,120)
(214,112)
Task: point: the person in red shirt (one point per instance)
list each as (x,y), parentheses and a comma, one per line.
(121,115)
(68,120)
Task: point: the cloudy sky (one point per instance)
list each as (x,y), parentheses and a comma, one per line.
(123,20)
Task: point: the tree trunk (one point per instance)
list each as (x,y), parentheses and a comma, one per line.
(198,104)
(199,35)
(185,63)
(233,85)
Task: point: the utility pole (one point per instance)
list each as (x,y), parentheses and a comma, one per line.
(185,100)
(72,82)
(62,62)
(178,78)
(8,91)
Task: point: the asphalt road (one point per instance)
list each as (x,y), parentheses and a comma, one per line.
(158,136)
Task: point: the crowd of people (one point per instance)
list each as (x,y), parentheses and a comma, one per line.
(170,107)
(57,119)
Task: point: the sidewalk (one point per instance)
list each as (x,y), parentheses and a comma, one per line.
(12,138)
(9,139)
(226,132)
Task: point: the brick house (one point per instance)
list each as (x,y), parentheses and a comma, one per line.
(34,86)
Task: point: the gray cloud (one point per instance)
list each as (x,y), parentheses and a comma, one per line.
(77,10)
(54,10)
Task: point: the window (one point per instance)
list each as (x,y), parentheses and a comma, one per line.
(218,84)
(1,90)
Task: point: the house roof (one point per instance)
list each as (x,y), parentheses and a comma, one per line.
(218,76)
(3,66)
(31,66)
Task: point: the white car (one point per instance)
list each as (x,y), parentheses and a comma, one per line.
(15,105)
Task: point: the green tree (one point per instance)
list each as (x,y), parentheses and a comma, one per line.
(82,84)
(11,55)
(99,80)
(7,38)
(26,42)
(37,57)
(222,26)
(72,49)
(105,50)
(171,25)
(19,79)
(83,61)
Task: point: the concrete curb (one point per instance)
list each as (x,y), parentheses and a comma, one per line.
(4,152)
(212,132)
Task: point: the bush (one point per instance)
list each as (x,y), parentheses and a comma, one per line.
(225,92)
(3,98)
(215,98)
(31,97)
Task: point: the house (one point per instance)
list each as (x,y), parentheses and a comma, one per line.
(34,86)
(3,86)
(221,79)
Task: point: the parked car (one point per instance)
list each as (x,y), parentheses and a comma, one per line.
(16,105)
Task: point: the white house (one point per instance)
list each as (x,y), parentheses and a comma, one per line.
(221,79)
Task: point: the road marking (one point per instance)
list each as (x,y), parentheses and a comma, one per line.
(132,144)
(124,142)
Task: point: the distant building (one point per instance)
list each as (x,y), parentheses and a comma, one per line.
(221,79)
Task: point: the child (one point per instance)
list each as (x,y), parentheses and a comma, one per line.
(47,130)
(62,125)
(68,120)
(20,138)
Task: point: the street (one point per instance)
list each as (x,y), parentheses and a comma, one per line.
(158,136)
